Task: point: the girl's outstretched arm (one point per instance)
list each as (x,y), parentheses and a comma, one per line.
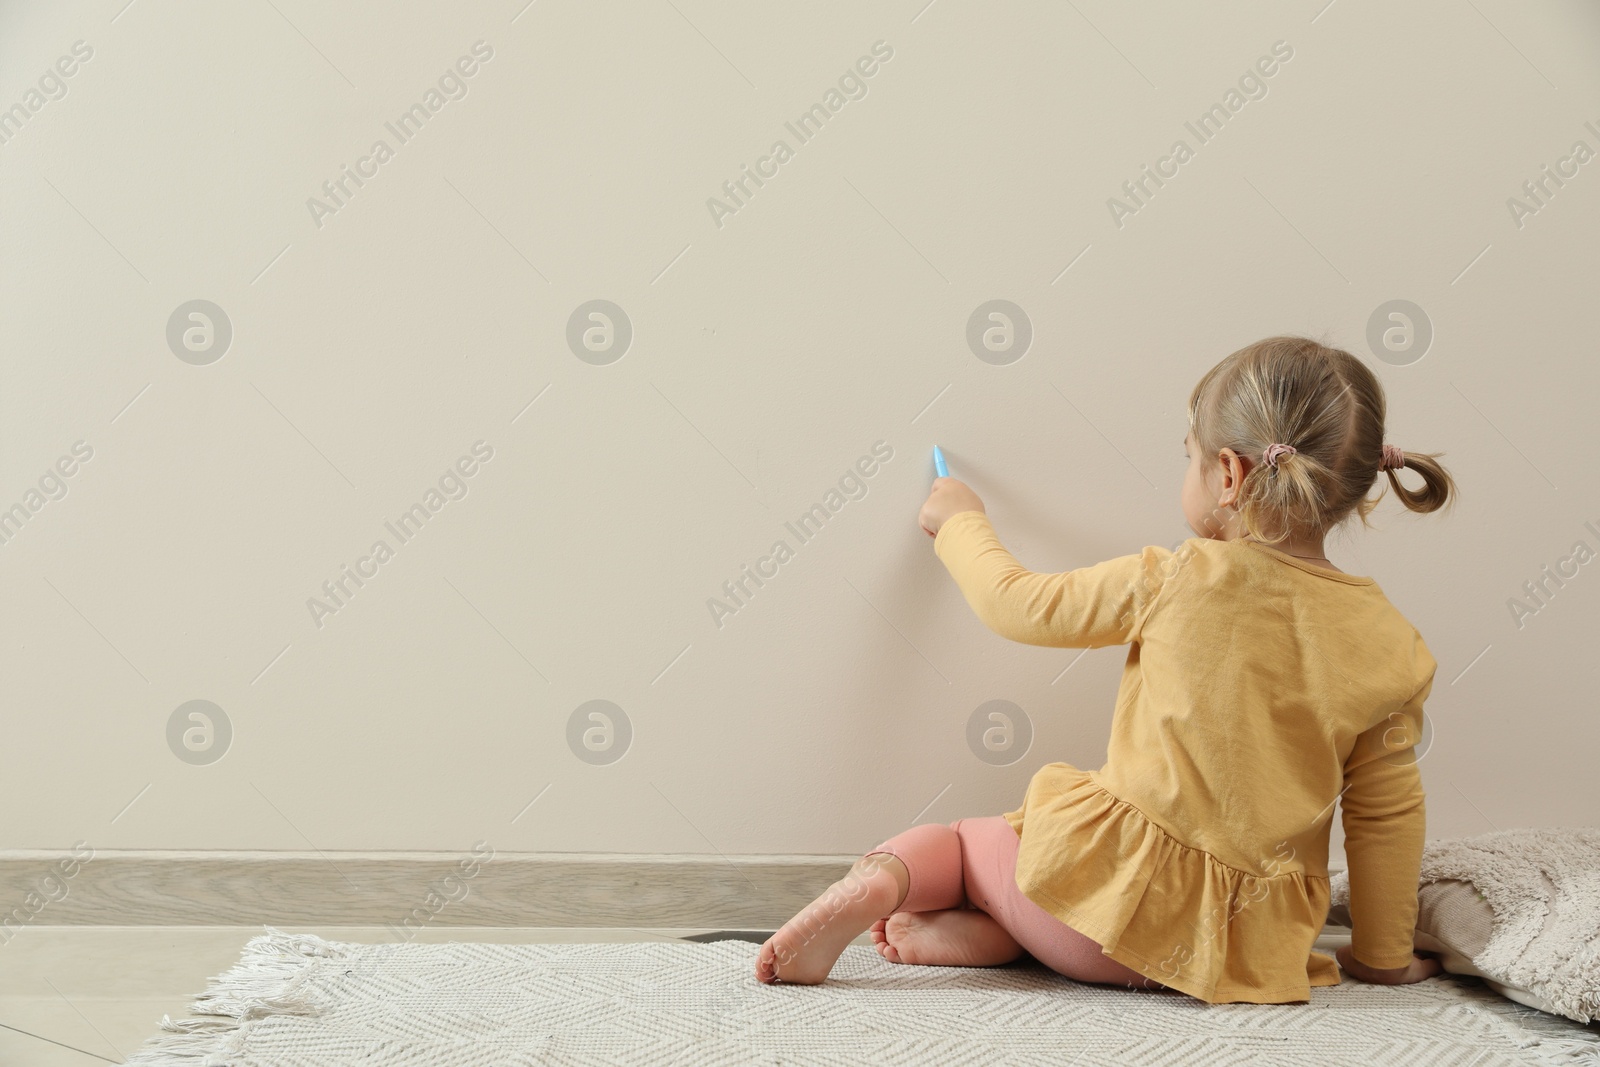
(1090,607)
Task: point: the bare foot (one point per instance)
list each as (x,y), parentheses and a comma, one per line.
(955,938)
(808,946)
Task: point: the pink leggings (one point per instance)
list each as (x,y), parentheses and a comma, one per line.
(973,863)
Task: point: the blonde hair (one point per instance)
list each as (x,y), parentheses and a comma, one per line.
(1329,406)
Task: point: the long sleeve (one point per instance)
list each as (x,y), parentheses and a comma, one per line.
(1385,822)
(1085,608)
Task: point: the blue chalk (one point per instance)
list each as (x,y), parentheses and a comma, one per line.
(939,464)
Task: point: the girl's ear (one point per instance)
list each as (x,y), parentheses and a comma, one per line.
(1233,473)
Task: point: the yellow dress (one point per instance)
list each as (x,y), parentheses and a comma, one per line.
(1259,691)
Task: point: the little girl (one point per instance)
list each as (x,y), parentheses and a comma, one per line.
(1263,686)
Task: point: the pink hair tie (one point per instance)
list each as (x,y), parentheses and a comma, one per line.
(1392,458)
(1274,451)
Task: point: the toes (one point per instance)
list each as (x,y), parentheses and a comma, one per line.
(886,942)
(765,969)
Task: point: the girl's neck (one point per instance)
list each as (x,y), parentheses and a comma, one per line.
(1306,547)
(1309,549)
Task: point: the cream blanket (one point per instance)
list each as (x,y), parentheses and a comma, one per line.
(1543,886)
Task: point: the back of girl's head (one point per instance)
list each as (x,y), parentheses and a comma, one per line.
(1329,407)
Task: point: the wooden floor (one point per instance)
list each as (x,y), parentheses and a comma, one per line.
(76,996)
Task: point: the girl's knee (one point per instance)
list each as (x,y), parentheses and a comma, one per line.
(929,867)
(875,861)
(934,836)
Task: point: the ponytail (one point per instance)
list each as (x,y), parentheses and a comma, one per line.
(1438,489)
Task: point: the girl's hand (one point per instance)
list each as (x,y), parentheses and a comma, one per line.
(948,497)
(1420,969)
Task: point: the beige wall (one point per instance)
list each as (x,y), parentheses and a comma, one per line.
(374,345)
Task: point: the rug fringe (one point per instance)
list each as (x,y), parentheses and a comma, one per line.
(1549,1045)
(1565,1051)
(269,979)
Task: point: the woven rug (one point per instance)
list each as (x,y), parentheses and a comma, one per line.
(298,1001)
